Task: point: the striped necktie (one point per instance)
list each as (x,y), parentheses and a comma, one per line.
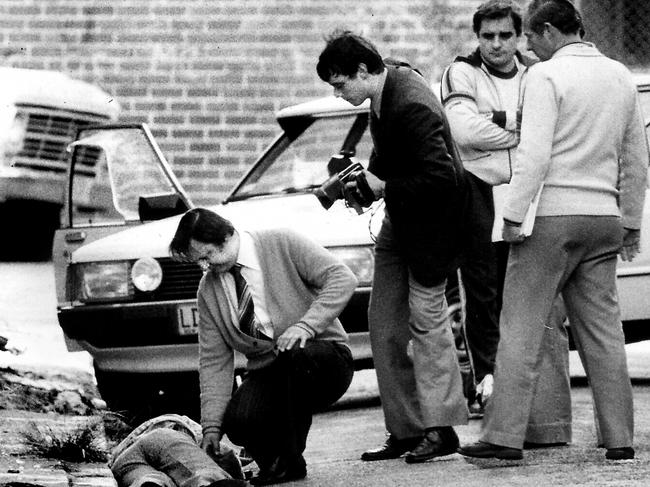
(246,308)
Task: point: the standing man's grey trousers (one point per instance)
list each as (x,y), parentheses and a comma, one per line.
(575,256)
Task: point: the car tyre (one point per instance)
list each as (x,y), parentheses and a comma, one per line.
(138,397)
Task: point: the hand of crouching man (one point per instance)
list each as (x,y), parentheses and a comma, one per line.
(295,334)
(211,443)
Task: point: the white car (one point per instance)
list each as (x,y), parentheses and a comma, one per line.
(124,300)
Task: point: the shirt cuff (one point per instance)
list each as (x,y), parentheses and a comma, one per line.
(307,328)
(211,429)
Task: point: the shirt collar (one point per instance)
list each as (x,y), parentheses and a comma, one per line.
(247,254)
(577,48)
(501,74)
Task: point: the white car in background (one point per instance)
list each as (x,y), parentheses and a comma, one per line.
(122,298)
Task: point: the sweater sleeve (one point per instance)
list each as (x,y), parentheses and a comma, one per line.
(333,282)
(216,364)
(539,117)
(469,127)
(633,170)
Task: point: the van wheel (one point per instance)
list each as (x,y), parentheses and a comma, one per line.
(28,230)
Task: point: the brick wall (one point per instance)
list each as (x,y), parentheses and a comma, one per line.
(208,75)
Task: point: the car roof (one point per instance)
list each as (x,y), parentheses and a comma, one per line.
(55,89)
(331,106)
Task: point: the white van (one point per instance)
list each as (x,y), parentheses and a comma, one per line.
(40,114)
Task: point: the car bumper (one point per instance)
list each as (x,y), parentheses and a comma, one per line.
(144,338)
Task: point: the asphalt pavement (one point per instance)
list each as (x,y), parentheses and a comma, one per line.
(338,438)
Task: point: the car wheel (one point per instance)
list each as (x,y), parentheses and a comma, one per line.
(29,229)
(138,397)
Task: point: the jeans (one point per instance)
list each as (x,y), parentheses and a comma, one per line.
(167,458)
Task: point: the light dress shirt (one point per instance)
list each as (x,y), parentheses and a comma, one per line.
(252,272)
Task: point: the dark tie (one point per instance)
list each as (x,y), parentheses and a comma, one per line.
(246,308)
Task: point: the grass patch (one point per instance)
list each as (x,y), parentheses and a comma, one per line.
(84,442)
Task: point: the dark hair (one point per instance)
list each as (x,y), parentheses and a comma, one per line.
(343,53)
(561,14)
(497,9)
(201,225)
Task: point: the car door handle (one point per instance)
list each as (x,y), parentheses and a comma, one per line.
(74,237)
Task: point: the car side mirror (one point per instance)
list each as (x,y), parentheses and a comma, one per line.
(159,206)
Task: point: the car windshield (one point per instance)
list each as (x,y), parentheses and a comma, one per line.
(127,167)
(298,163)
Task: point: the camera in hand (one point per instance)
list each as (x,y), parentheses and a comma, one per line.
(343,171)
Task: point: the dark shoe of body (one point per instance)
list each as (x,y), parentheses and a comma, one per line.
(244,457)
(281,470)
(488,450)
(392,448)
(436,442)
(624,453)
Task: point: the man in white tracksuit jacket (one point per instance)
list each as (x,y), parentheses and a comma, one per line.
(481,96)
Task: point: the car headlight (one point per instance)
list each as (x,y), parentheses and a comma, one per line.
(360,260)
(146,274)
(104,281)
(13,128)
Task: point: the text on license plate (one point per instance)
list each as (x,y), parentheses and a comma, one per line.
(187,319)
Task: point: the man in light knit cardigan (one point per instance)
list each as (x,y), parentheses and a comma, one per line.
(297,355)
(583,139)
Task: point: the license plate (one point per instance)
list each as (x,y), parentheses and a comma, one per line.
(187,319)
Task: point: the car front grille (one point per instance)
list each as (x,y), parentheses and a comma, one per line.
(180,281)
(48,133)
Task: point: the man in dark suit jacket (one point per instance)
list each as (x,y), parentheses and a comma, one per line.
(414,167)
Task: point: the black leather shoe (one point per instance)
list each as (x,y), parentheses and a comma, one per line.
(392,448)
(488,450)
(625,453)
(437,442)
(282,470)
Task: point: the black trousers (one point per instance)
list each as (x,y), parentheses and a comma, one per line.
(270,413)
(482,272)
